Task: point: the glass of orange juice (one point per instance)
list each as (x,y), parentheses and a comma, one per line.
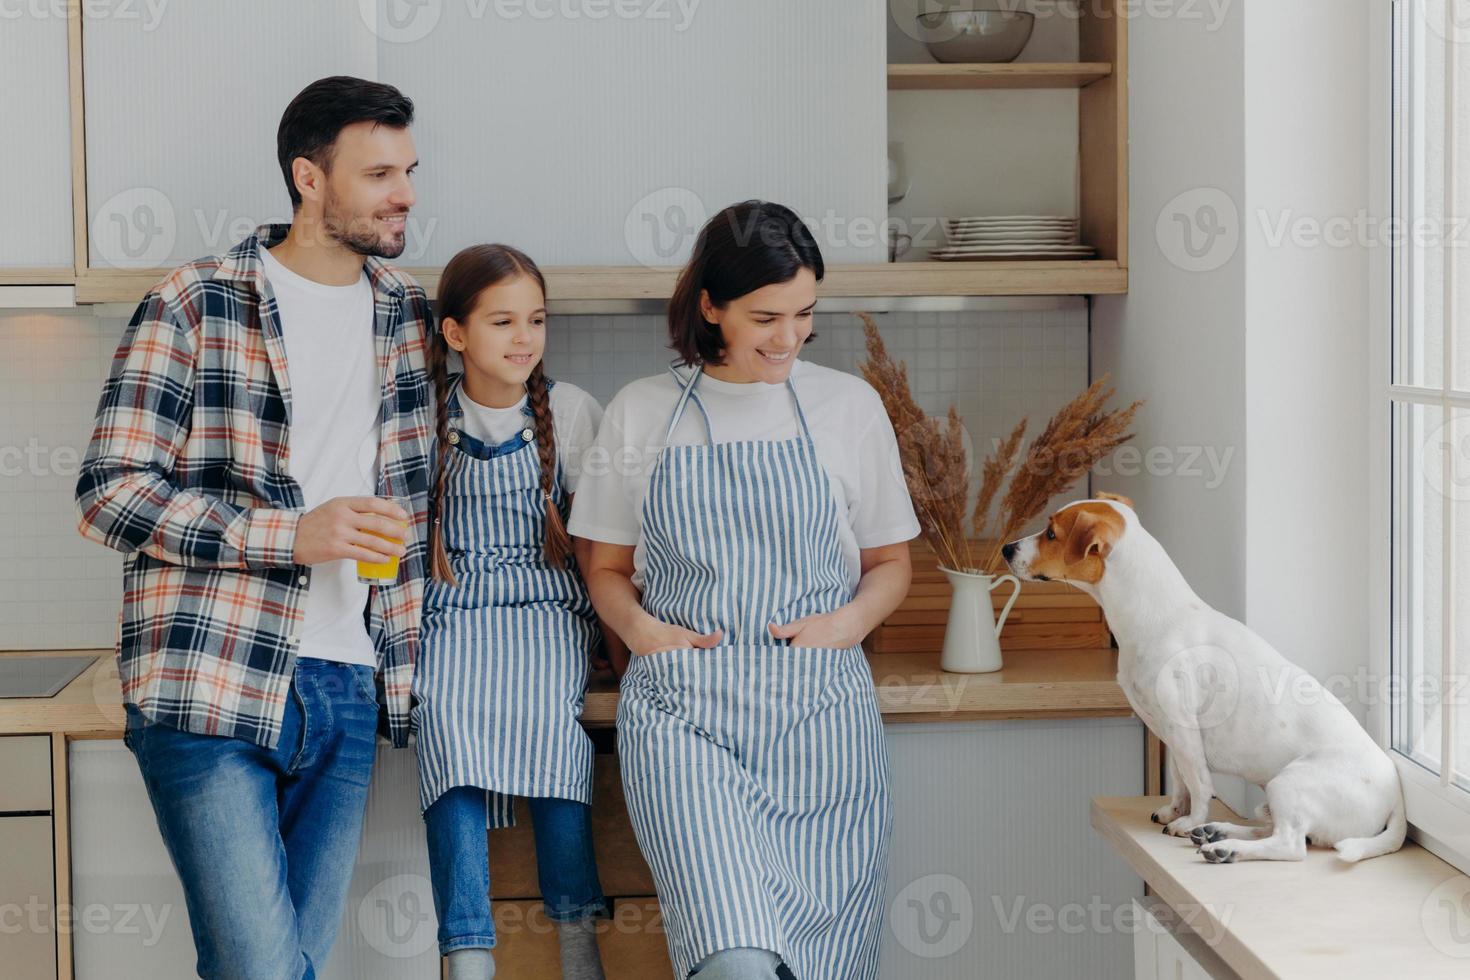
(385,572)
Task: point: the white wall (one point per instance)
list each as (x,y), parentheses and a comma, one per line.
(1306,331)
(59,591)
(1177,338)
(1253,342)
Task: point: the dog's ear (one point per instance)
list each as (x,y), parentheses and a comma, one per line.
(1091,532)
(1119,498)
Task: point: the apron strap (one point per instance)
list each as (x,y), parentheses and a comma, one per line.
(800,413)
(688,390)
(688,387)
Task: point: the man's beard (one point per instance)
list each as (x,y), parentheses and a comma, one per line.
(348,231)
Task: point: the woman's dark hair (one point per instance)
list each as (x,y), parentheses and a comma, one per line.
(469,273)
(310,124)
(743,248)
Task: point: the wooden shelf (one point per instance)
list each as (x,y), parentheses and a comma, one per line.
(1032,278)
(1011,75)
(911,687)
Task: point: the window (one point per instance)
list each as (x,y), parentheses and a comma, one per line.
(1428,500)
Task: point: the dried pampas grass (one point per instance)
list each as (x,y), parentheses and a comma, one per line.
(935,465)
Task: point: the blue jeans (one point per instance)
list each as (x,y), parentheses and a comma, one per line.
(459,865)
(264,840)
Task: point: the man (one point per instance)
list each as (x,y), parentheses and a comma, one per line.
(260,408)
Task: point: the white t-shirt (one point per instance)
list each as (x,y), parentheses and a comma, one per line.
(854,440)
(332,365)
(575,416)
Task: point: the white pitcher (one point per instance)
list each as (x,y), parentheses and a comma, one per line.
(972,634)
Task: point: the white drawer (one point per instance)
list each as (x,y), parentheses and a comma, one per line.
(25,773)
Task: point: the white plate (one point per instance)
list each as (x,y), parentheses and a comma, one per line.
(1014,217)
(1017,248)
(961,255)
(1009,223)
(1015,237)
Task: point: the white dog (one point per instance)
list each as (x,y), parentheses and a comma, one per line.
(1222,699)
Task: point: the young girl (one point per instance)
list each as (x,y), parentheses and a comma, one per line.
(508,630)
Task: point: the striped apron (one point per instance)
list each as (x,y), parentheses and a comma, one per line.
(756,772)
(504,655)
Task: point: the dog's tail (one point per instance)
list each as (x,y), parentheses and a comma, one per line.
(1390,840)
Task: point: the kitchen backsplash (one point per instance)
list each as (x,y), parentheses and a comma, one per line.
(59,591)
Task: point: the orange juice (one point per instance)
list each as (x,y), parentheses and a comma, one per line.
(384,572)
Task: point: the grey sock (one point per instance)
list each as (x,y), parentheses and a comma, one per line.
(580,959)
(471,963)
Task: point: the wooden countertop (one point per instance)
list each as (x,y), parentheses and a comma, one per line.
(1400,915)
(911,687)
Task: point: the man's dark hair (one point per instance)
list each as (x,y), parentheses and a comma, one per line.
(310,124)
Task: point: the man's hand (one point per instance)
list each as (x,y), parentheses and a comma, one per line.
(349,527)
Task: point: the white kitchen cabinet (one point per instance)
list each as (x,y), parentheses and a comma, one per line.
(587,134)
(123,879)
(182,110)
(133,922)
(607,140)
(27,898)
(25,773)
(35,195)
(1165,948)
(995,871)
(27,870)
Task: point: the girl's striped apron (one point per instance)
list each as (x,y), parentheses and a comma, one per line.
(504,655)
(755,772)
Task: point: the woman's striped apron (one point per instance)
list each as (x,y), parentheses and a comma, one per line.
(504,655)
(755,772)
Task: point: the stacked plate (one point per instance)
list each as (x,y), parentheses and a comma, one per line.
(1011,237)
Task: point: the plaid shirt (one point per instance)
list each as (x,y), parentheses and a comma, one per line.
(186,475)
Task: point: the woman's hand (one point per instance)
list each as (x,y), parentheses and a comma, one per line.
(655,636)
(884,581)
(838,629)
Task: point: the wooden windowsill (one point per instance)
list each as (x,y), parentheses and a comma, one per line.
(1389,916)
(911,688)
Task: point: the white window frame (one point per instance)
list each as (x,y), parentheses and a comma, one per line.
(1438,812)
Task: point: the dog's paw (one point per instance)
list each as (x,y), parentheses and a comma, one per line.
(1219,853)
(1181,827)
(1164,814)
(1207,833)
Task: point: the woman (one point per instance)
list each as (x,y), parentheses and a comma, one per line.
(743,561)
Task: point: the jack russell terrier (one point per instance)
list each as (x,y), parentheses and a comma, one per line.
(1222,699)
